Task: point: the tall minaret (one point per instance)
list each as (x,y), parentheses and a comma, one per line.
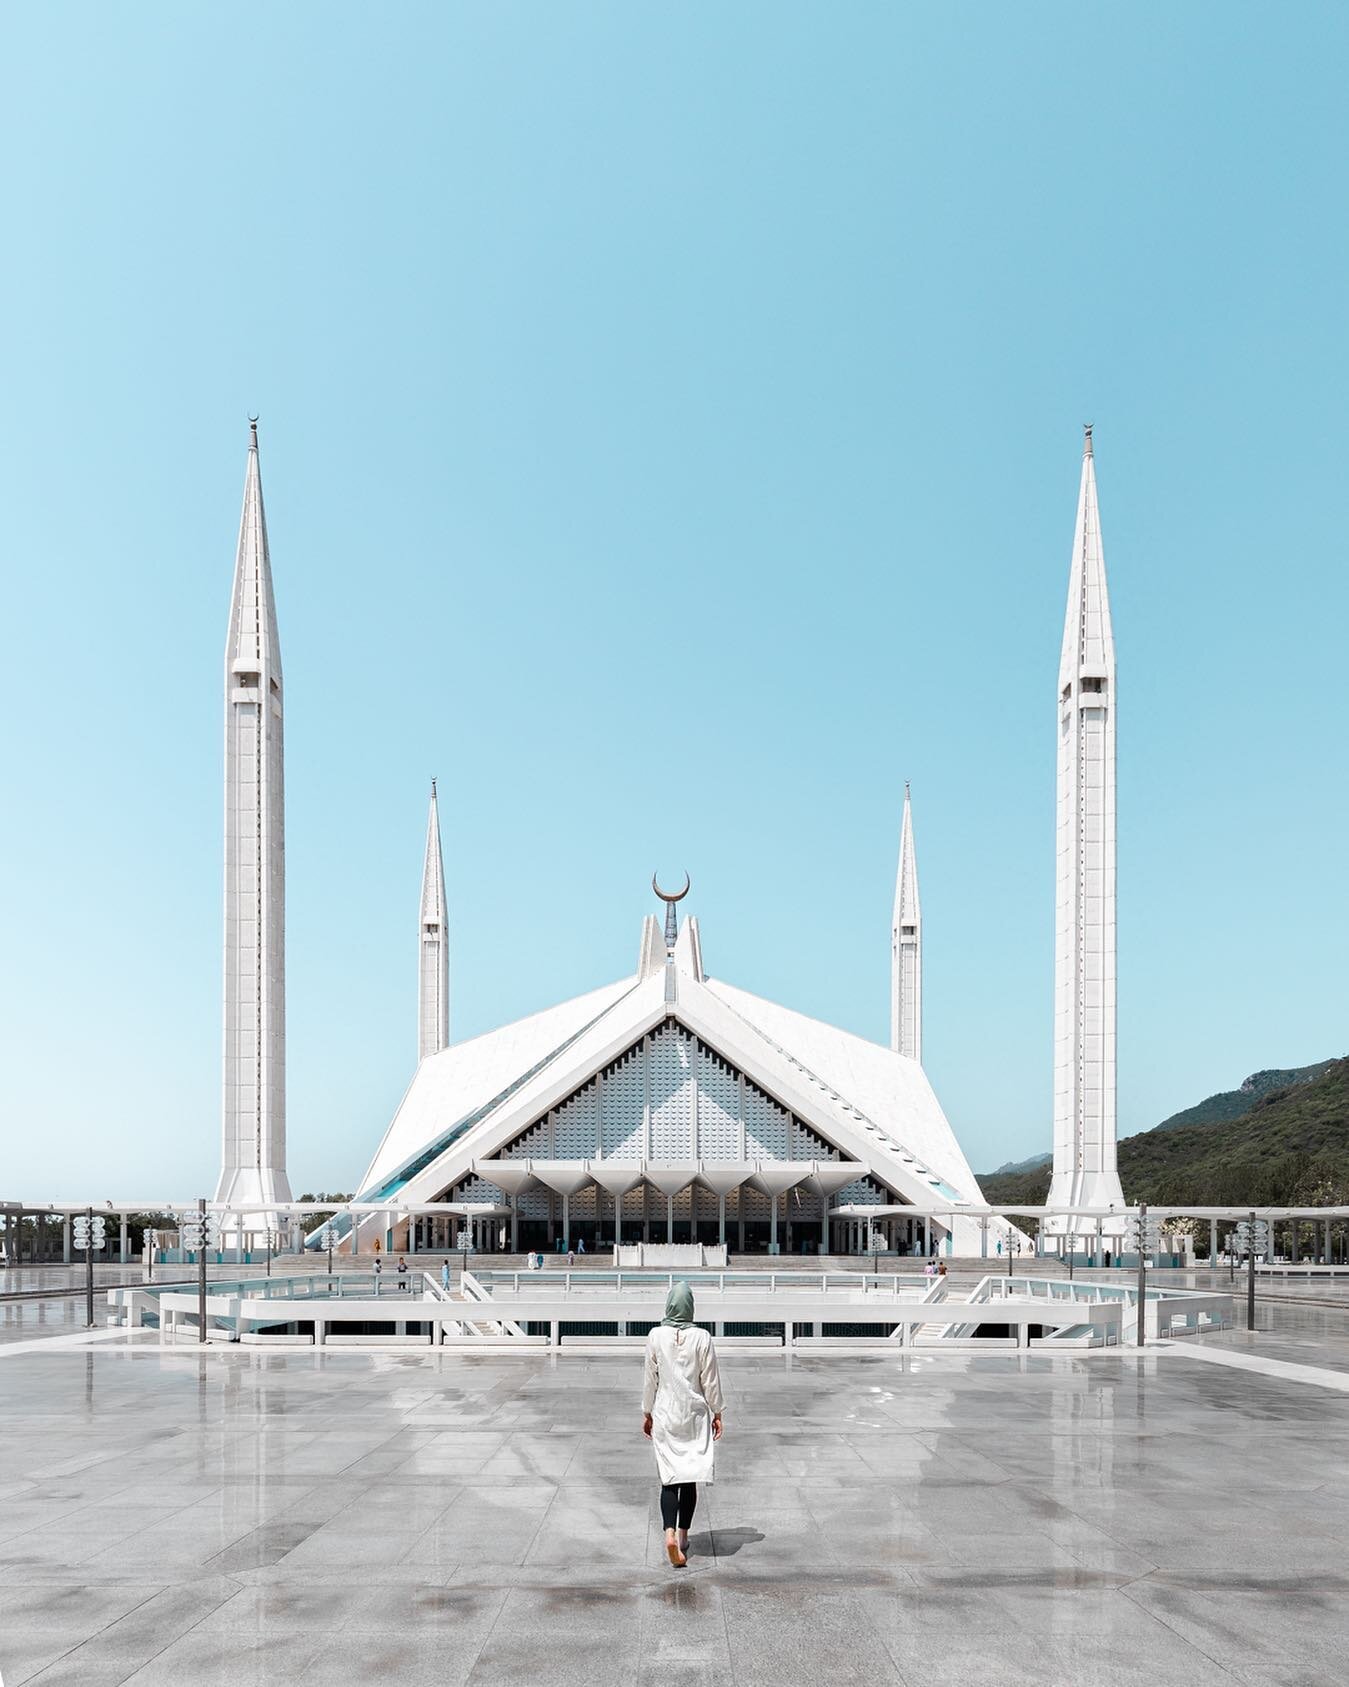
(433,959)
(906,949)
(1084,948)
(253,1158)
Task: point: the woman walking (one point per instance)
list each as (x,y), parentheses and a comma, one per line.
(681,1414)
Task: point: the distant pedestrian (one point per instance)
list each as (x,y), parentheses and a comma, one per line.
(581,1246)
(571,1257)
(377,1268)
(402,1275)
(445,1275)
(999,1247)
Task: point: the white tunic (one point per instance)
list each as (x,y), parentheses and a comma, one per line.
(683,1395)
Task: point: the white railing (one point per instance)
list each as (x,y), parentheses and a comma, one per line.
(654,1285)
(1166,1311)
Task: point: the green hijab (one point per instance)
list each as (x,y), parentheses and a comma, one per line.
(679,1306)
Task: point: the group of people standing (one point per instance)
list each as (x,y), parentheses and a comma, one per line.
(377,1270)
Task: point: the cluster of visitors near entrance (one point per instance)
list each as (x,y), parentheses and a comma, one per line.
(377,1271)
(681,1414)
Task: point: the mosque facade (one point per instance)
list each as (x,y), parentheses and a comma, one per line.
(671,1105)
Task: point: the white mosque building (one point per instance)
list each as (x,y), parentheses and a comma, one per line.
(670,1105)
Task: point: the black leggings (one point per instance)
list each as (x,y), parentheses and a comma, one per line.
(677,1501)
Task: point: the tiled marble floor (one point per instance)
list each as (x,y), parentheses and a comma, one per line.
(293,1518)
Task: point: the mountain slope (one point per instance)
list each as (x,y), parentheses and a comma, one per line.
(1288,1146)
(1232,1104)
(1014,1166)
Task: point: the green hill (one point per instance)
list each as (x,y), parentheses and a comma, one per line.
(1232,1104)
(1287,1145)
(1014,1166)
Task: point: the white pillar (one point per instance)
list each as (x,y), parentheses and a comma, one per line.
(1085,1171)
(253,1147)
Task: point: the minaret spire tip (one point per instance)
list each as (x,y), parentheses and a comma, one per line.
(906,947)
(252,433)
(1086,440)
(433,982)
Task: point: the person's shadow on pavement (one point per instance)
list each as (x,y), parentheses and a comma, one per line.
(723,1543)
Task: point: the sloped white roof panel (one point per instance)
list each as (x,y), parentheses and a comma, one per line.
(892,1091)
(464,1077)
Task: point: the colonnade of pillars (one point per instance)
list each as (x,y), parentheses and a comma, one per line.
(1298,1241)
(651,1218)
(919,1236)
(33,1238)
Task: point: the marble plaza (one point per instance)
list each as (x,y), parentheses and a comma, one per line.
(944,1463)
(247,1516)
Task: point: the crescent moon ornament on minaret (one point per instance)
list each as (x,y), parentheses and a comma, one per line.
(671,918)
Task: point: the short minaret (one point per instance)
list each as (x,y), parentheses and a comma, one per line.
(1084,948)
(433,977)
(906,948)
(253,1158)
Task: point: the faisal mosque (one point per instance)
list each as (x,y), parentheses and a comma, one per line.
(670,1105)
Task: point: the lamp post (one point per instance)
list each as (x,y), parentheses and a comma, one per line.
(1250,1277)
(89,1267)
(1140,1233)
(201,1271)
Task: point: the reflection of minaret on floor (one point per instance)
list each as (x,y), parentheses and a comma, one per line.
(433,978)
(906,949)
(253,1157)
(1084,949)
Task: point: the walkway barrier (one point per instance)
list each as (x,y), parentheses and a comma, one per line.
(820,1312)
(1166,1311)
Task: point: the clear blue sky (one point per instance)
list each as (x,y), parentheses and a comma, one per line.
(670,425)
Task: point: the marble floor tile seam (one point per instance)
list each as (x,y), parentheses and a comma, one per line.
(1226,1644)
(63,1651)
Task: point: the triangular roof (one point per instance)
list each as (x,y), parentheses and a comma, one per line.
(472,1100)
